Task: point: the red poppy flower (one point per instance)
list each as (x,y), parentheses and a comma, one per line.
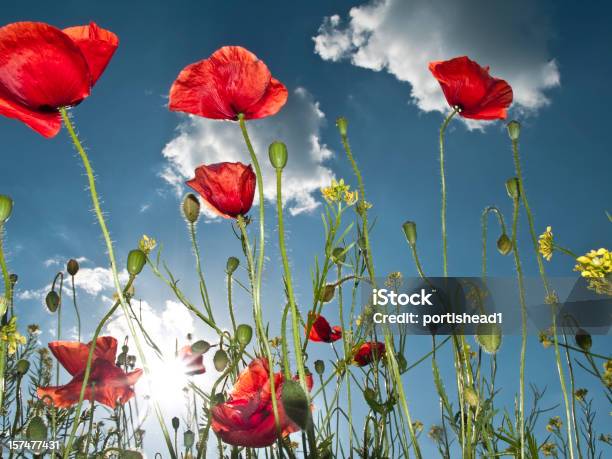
(247,418)
(367,352)
(108,384)
(230,82)
(194,364)
(469,86)
(43,68)
(227,188)
(321,331)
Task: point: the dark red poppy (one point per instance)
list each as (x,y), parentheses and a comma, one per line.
(469,87)
(108,384)
(321,331)
(230,82)
(43,68)
(247,418)
(194,363)
(227,188)
(367,352)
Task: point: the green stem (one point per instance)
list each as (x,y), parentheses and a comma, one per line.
(204,290)
(519,273)
(565,251)
(230,302)
(7,297)
(113,263)
(443,190)
(502,224)
(549,293)
(76,310)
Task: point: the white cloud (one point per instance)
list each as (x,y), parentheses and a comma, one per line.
(402,37)
(59,260)
(298,125)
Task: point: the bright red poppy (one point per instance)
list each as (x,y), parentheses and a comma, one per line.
(321,331)
(247,418)
(227,188)
(194,363)
(43,68)
(367,352)
(108,384)
(230,82)
(469,87)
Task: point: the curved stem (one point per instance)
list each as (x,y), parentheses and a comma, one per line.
(203,289)
(111,255)
(76,310)
(502,224)
(443,190)
(549,293)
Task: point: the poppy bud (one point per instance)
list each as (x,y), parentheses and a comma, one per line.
(338,255)
(131,360)
(278,155)
(52,301)
(13,278)
(327,293)
(191,208)
(361,242)
(72,267)
(220,360)
(410,232)
(22,366)
(295,403)
(583,340)
(471,397)
(188,439)
(232,265)
(125,349)
(489,337)
(513,188)
(244,333)
(121,359)
(37,429)
(136,261)
(504,244)
(402,363)
(6,208)
(319,367)
(200,347)
(342,125)
(514,130)
(175,423)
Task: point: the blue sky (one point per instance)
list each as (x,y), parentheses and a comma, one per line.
(126,127)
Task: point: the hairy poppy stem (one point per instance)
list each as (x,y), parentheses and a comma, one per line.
(203,289)
(502,224)
(443,190)
(76,310)
(550,296)
(7,297)
(113,263)
(519,275)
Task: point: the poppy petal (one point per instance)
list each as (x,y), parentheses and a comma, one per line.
(41,68)
(272,101)
(97,45)
(46,124)
(73,355)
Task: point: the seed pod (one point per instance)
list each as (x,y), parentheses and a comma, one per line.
(513,188)
(37,429)
(232,265)
(52,300)
(319,367)
(514,130)
(410,231)
(584,340)
(191,208)
(342,125)
(295,403)
(6,208)
(338,255)
(200,347)
(489,337)
(504,244)
(175,423)
(22,366)
(471,397)
(72,267)
(244,334)
(136,261)
(188,439)
(220,360)
(278,155)
(327,293)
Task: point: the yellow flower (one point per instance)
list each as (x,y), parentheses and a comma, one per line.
(10,335)
(351,197)
(147,244)
(417,426)
(394,280)
(596,263)
(546,338)
(545,244)
(435,433)
(338,191)
(554,424)
(549,449)
(580,394)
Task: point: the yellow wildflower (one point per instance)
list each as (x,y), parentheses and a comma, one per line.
(417,426)
(147,244)
(580,394)
(435,433)
(596,263)
(546,338)
(554,424)
(394,280)
(10,335)
(339,191)
(549,449)
(545,244)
